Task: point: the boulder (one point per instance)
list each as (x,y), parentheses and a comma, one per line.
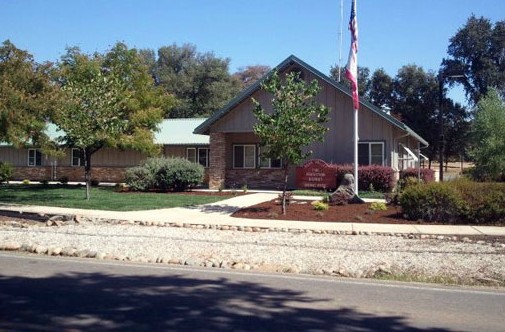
(345,192)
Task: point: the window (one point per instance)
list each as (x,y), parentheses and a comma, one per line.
(34,157)
(202,157)
(191,154)
(77,157)
(371,153)
(244,156)
(268,162)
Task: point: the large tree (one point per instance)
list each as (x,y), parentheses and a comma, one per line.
(250,74)
(488,137)
(26,97)
(295,122)
(363,79)
(381,89)
(109,100)
(201,82)
(477,51)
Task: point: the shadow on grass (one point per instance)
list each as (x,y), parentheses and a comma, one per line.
(100,302)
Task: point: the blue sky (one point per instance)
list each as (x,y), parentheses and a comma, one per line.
(392,33)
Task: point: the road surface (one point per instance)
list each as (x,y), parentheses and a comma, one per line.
(40,293)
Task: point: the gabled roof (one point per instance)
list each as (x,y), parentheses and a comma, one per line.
(248,92)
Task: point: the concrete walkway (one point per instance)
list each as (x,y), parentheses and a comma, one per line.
(219,213)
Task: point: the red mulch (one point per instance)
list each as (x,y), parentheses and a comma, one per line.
(357,213)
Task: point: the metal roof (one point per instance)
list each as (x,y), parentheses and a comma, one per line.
(171,132)
(180,132)
(205,126)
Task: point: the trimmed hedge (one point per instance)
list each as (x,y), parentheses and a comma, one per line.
(427,175)
(462,201)
(381,178)
(164,174)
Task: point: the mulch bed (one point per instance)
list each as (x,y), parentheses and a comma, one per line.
(355,213)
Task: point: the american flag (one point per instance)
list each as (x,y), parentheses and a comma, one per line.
(352,63)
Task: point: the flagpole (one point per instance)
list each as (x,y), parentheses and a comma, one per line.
(356,140)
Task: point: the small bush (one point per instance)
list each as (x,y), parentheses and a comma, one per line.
(95,182)
(485,202)
(432,202)
(26,181)
(378,206)
(64,180)
(44,182)
(175,174)
(320,206)
(5,172)
(427,175)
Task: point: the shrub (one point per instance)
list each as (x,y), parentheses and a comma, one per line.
(44,182)
(5,172)
(26,181)
(64,180)
(95,182)
(427,175)
(176,174)
(320,206)
(381,178)
(485,202)
(432,202)
(378,206)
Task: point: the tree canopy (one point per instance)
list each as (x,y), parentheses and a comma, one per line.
(250,74)
(477,51)
(109,100)
(26,97)
(488,137)
(295,122)
(201,82)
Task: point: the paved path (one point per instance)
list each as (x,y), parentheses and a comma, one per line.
(219,213)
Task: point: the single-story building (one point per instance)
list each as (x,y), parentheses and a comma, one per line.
(235,158)
(108,165)
(225,143)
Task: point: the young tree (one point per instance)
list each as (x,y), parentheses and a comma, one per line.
(109,101)
(488,137)
(26,97)
(295,122)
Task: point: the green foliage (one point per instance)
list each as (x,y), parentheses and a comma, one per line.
(426,174)
(485,202)
(200,82)
(476,51)
(26,181)
(109,101)
(175,174)
(5,172)
(26,97)
(378,206)
(320,206)
(296,121)
(432,202)
(489,138)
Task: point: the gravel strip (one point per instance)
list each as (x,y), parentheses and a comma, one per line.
(341,255)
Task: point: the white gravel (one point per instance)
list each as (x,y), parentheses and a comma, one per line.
(349,255)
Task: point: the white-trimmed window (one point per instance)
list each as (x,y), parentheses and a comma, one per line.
(200,155)
(203,157)
(34,157)
(244,156)
(191,154)
(371,153)
(77,157)
(266,162)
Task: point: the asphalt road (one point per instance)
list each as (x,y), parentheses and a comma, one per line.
(40,293)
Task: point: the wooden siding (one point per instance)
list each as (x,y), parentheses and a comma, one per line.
(338,142)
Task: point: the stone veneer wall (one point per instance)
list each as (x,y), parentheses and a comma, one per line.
(255,178)
(217,160)
(102,174)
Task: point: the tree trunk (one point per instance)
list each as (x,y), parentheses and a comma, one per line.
(284,190)
(87,172)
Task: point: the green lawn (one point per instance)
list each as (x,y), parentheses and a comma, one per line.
(102,198)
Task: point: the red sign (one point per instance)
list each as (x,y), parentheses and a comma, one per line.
(316,174)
